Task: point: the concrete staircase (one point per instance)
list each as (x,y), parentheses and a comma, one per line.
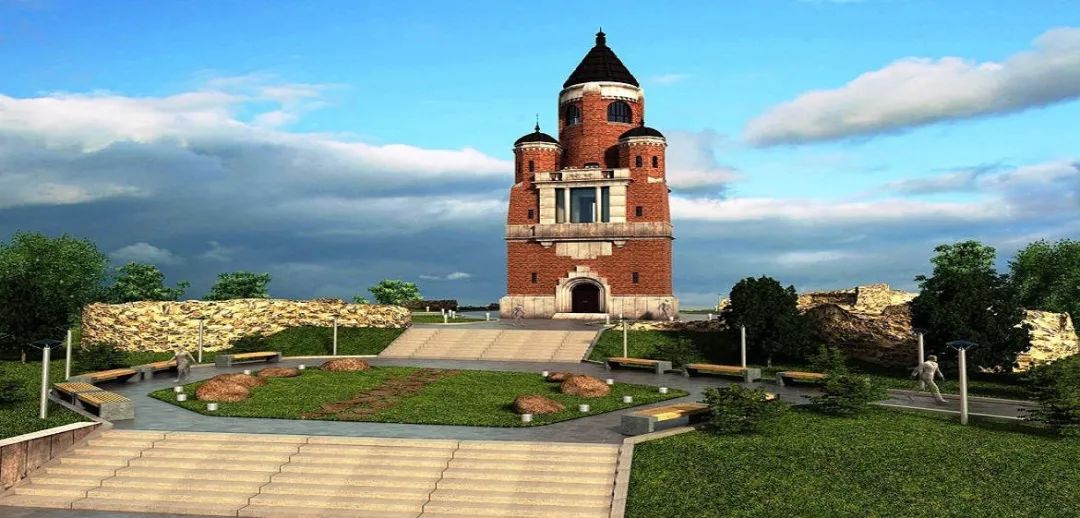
(214,474)
(491,344)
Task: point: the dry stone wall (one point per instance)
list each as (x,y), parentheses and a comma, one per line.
(160,326)
(1052,337)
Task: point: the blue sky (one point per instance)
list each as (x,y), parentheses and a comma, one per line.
(827,143)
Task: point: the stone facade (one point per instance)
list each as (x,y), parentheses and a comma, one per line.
(22,454)
(160,326)
(1052,337)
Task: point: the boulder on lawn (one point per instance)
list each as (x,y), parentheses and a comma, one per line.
(246,380)
(537,405)
(559,377)
(585,386)
(278,372)
(345,365)
(222,390)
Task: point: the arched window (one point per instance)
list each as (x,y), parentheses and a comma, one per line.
(532,166)
(619,111)
(637,161)
(592,165)
(572,115)
(655,161)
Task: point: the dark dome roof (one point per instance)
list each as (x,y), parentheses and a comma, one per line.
(641,131)
(536,136)
(600,64)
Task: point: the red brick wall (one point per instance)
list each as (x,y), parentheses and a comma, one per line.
(652,197)
(594,139)
(544,159)
(651,258)
(522,198)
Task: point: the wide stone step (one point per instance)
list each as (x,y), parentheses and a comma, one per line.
(80,471)
(236,438)
(156,506)
(97,460)
(563,466)
(303,459)
(363,469)
(104,451)
(383,441)
(373,451)
(528,475)
(120,443)
(204,464)
(212,446)
(237,498)
(132,435)
(57,480)
(187,484)
(71,491)
(360,482)
(460,509)
(149,472)
(264,511)
(539,447)
(385,492)
(361,503)
(51,502)
(242,456)
(533,499)
(601,489)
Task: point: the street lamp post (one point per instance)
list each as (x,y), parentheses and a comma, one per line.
(625,354)
(202,331)
(46,353)
(67,357)
(961,347)
(335,336)
(742,346)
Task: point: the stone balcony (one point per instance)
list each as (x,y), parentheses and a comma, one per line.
(589,231)
(591,174)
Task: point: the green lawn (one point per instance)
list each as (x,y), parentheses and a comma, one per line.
(716,348)
(477,398)
(883,464)
(22,416)
(438,319)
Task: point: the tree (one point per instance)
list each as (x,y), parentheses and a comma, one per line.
(1047,276)
(239,285)
(44,284)
(738,410)
(140,281)
(769,311)
(965,298)
(393,291)
(1056,387)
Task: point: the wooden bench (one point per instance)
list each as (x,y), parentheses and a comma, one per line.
(660,366)
(110,406)
(71,389)
(644,421)
(228,360)
(748,374)
(123,374)
(148,370)
(813,377)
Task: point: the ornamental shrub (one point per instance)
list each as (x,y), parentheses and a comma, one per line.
(100,357)
(739,410)
(10,391)
(847,394)
(1056,387)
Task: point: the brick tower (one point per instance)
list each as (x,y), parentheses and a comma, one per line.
(588,229)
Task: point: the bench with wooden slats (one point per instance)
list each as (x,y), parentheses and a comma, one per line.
(228,360)
(121,374)
(644,421)
(660,366)
(813,377)
(747,373)
(150,369)
(71,389)
(110,406)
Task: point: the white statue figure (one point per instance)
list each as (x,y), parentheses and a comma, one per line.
(184,360)
(517,314)
(926,372)
(665,309)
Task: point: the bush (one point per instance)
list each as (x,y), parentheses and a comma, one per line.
(1056,387)
(101,357)
(847,394)
(828,359)
(250,344)
(679,352)
(737,410)
(10,391)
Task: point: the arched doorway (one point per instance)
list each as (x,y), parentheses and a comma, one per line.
(585,298)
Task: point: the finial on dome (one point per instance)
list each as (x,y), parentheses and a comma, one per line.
(601,40)
(537,127)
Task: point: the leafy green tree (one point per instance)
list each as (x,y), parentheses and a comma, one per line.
(140,281)
(843,393)
(965,298)
(44,284)
(1056,387)
(1047,276)
(769,311)
(739,410)
(393,291)
(240,285)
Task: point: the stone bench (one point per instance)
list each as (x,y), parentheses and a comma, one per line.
(123,374)
(644,421)
(148,370)
(813,377)
(660,366)
(110,406)
(748,374)
(228,360)
(72,389)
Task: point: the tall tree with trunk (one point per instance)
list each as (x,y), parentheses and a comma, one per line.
(240,285)
(1047,276)
(140,281)
(774,326)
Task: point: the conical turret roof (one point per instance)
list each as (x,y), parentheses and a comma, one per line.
(600,64)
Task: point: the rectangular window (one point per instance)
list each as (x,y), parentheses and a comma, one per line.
(560,206)
(583,205)
(639,211)
(531,213)
(534,277)
(605,204)
(634,277)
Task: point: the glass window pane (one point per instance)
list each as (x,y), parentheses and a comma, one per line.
(605,204)
(583,205)
(560,206)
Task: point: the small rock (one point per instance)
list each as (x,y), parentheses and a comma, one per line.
(278,372)
(345,365)
(537,405)
(222,390)
(585,386)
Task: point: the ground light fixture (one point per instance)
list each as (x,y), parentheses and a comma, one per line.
(583,408)
(609,381)
(211,407)
(526,418)
(181,397)
(178,389)
(663,390)
(628,399)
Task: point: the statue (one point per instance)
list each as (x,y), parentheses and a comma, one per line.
(517,314)
(665,309)
(184,360)
(926,372)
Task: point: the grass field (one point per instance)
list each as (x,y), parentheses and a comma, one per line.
(22,416)
(478,398)
(883,464)
(716,348)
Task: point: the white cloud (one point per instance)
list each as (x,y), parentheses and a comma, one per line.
(454,276)
(218,252)
(145,253)
(692,164)
(820,211)
(668,79)
(913,92)
(810,257)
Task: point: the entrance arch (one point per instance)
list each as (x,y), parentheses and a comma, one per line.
(585,298)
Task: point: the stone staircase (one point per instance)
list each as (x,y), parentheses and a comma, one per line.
(491,344)
(214,474)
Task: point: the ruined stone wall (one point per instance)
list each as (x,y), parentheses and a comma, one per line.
(1052,337)
(159,326)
